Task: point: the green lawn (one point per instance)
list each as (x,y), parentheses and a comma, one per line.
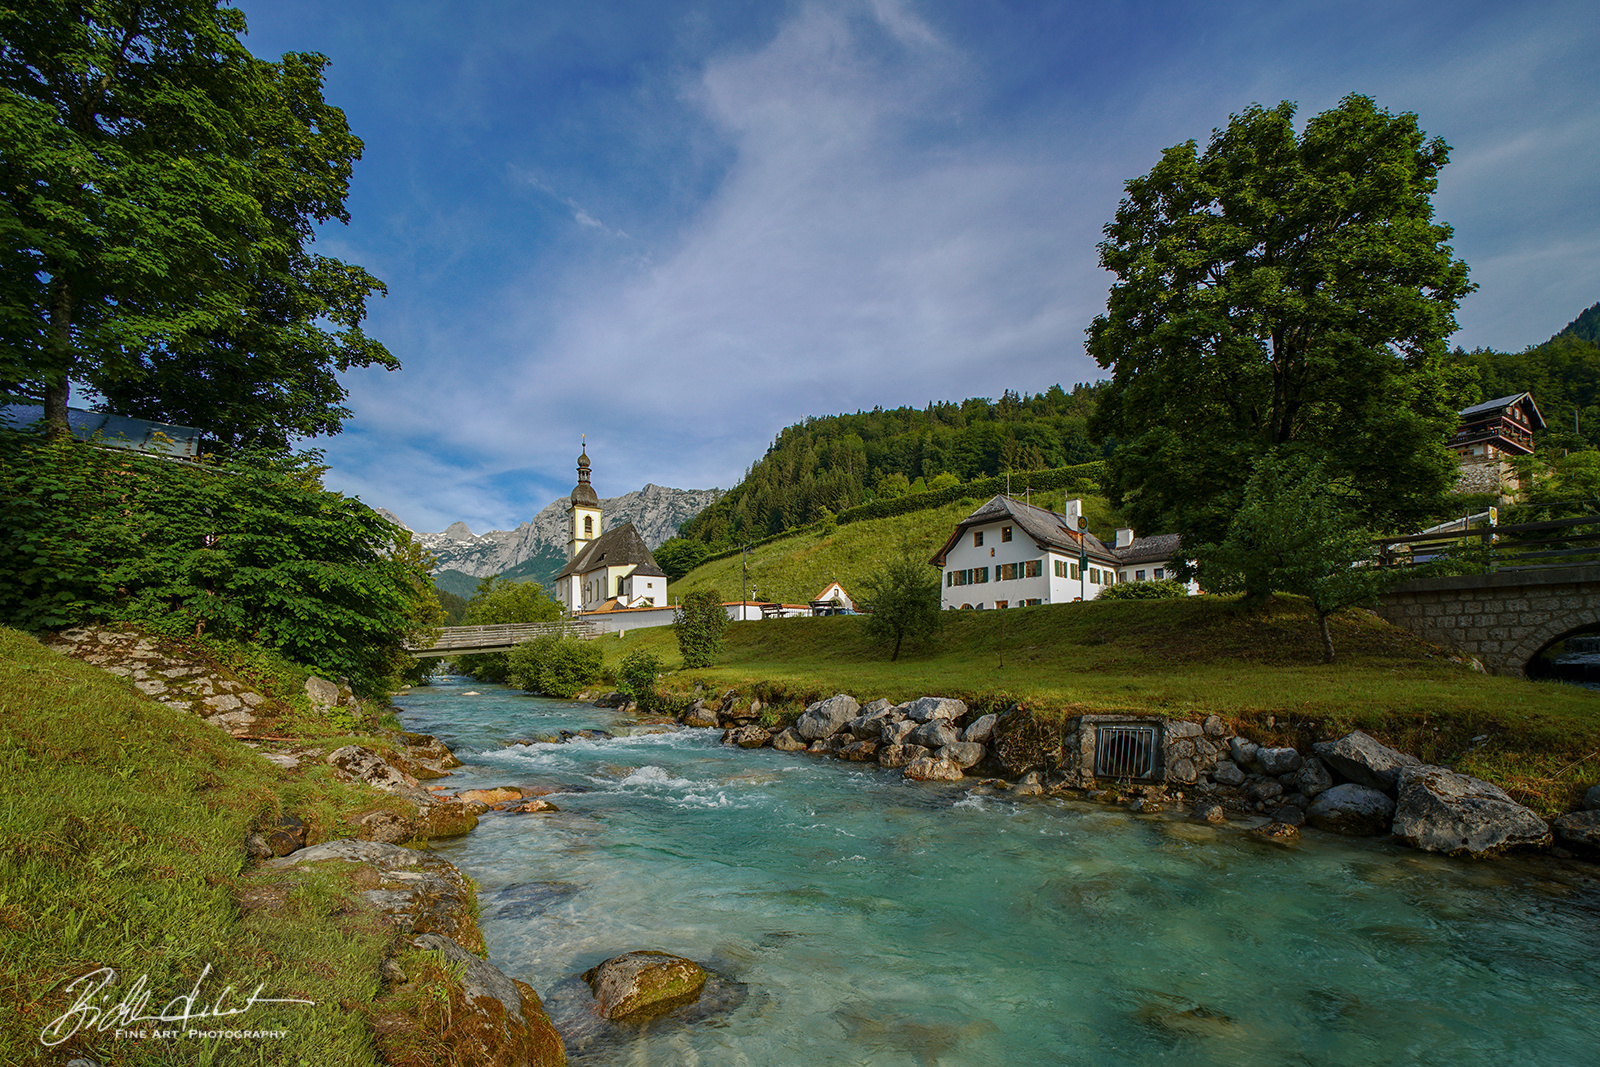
(1257,667)
(794,569)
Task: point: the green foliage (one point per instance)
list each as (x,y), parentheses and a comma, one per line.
(700,623)
(501,600)
(842,461)
(904,602)
(455,607)
(1586,327)
(943,480)
(158,194)
(1165,589)
(251,549)
(1288,293)
(636,677)
(1296,532)
(554,665)
(678,556)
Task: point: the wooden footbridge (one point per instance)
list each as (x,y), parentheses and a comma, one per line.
(460,640)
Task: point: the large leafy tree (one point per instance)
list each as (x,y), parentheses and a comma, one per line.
(1281,292)
(158,190)
(904,597)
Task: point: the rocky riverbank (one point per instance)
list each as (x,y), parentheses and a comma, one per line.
(1351,785)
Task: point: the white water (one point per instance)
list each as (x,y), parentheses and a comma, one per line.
(872,921)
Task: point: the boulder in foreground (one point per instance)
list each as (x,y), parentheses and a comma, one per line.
(640,985)
(1442,811)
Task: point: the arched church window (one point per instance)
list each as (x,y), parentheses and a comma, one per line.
(588,526)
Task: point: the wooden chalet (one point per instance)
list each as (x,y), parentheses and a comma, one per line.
(1498,428)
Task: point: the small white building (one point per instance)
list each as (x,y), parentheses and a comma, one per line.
(605,571)
(1008,554)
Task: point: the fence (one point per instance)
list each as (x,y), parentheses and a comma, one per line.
(1522,546)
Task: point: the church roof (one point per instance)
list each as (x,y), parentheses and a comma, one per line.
(620,546)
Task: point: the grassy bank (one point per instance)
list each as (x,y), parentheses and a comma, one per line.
(1258,667)
(796,568)
(122,828)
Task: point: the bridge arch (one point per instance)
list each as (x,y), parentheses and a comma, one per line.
(1582,621)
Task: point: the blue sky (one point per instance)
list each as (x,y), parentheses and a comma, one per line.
(678,227)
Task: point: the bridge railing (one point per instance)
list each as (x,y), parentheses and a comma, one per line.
(1520,546)
(477,638)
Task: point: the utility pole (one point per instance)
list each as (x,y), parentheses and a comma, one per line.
(744,588)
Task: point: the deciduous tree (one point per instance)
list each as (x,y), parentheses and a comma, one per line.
(700,624)
(1288,293)
(904,598)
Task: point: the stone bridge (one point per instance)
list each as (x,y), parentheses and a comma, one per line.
(1505,619)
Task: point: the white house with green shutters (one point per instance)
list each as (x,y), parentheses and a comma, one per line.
(1009,553)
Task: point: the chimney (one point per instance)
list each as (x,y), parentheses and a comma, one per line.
(1124,537)
(1070,510)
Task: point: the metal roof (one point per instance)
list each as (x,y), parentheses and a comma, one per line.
(112,431)
(1503,402)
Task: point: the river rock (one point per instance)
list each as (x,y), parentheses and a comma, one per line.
(532,806)
(1181,771)
(1023,742)
(1582,827)
(934,769)
(498,1019)
(926,709)
(497,795)
(860,751)
(323,694)
(1278,832)
(963,754)
(827,717)
(1289,814)
(788,741)
(1214,726)
(868,726)
(1210,811)
(1243,751)
(642,985)
(1227,772)
(1591,799)
(751,736)
(901,755)
(935,734)
(877,707)
(1442,811)
(895,732)
(367,766)
(1359,810)
(1264,789)
(287,835)
(981,730)
(1276,761)
(1365,761)
(700,716)
(416,890)
(1313,779)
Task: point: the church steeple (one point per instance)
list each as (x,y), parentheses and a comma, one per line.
(583,508)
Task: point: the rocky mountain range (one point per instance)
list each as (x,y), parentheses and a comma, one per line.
(536,550)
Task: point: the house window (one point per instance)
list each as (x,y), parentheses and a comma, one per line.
(1009,572)
(980,575)
(1138,576)
(1077,573)
(977,538)
(1033,601)
(588,526)
(1061,568)
(1033,568)
(1005,533)
(949,579)
(1094,575)
(619,586)
(1160,573)
(1002,603)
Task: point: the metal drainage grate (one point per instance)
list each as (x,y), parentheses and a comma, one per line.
(1127,751)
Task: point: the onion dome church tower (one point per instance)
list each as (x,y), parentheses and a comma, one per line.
(583,511)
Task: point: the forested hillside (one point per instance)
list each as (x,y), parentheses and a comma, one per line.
(824,465)
(1585,327)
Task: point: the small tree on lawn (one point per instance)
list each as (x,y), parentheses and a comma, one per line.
(1296,532)
(636,678)
(700,624)
(905,602)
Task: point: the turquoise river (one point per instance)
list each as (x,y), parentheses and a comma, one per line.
(854,918)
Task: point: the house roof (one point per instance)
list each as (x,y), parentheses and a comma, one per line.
(1489,407)
(1150,549)
(1047,529)
(620,546)
(114,431)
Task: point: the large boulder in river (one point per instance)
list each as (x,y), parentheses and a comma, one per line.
(788,741)
(926,709)
(936,733)
(1442,811)
(641,985)
(749,736)
(934,769)
(367,766)
(826,717)
(1579,827)
(901,755)
(1351,809)
(1365,761)
(981,730)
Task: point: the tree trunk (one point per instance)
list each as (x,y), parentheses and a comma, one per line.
(57,384)
(1327,638)
(898,637)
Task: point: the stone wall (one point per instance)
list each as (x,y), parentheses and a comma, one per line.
(1503,619)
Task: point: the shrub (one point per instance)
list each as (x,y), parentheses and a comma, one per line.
(636,678)
(1166,589)
(700,625)
(555,666)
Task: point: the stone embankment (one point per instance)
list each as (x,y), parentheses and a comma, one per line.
(492,1019)
(1352,785)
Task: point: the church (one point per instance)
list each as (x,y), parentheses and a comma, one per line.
(605,570)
